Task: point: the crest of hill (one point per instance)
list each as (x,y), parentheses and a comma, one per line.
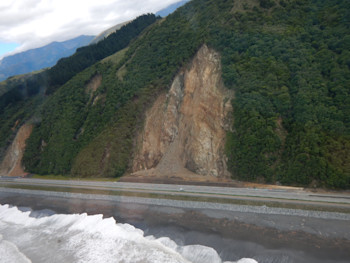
(107,32)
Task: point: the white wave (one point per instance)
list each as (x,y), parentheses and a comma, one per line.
(84,238)
(243,260)
(10,253)
(247,260)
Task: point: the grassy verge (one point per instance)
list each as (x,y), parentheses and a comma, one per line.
(65,177)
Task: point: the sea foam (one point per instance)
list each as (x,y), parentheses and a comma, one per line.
(9,253)
(89,238)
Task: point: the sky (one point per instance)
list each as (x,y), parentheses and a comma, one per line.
(27,24)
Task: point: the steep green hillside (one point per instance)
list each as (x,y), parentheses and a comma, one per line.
(21,97)
(66,68)
(114,111)
(287,61)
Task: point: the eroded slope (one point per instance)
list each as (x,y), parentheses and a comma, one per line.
(186,128)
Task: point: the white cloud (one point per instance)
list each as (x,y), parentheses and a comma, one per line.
(34,23)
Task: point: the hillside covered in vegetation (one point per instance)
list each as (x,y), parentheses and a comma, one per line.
(288,63)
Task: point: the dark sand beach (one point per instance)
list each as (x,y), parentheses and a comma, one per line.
(233,234)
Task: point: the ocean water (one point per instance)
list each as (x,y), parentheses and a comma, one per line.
(26,236)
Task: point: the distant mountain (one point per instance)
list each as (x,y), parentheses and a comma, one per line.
(39,58)
(171,8)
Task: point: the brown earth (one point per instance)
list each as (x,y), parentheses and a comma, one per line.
(185,130)
(12,163)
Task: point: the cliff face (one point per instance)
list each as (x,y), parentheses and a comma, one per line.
(11,165)
(186,128)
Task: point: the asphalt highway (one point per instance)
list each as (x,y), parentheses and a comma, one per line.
(286,195)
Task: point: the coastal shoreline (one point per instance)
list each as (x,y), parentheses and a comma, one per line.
(234,234)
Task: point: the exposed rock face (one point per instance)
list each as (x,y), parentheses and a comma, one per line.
(93,84)
(11,165)
(185,129)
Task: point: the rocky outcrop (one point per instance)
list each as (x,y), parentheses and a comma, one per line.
(186,128)
(11,165)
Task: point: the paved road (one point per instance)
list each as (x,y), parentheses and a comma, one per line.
(296,195)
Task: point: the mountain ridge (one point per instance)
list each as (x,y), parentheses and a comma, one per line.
(39,58)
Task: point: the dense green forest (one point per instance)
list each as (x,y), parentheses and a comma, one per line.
(289,66)
(288,62)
